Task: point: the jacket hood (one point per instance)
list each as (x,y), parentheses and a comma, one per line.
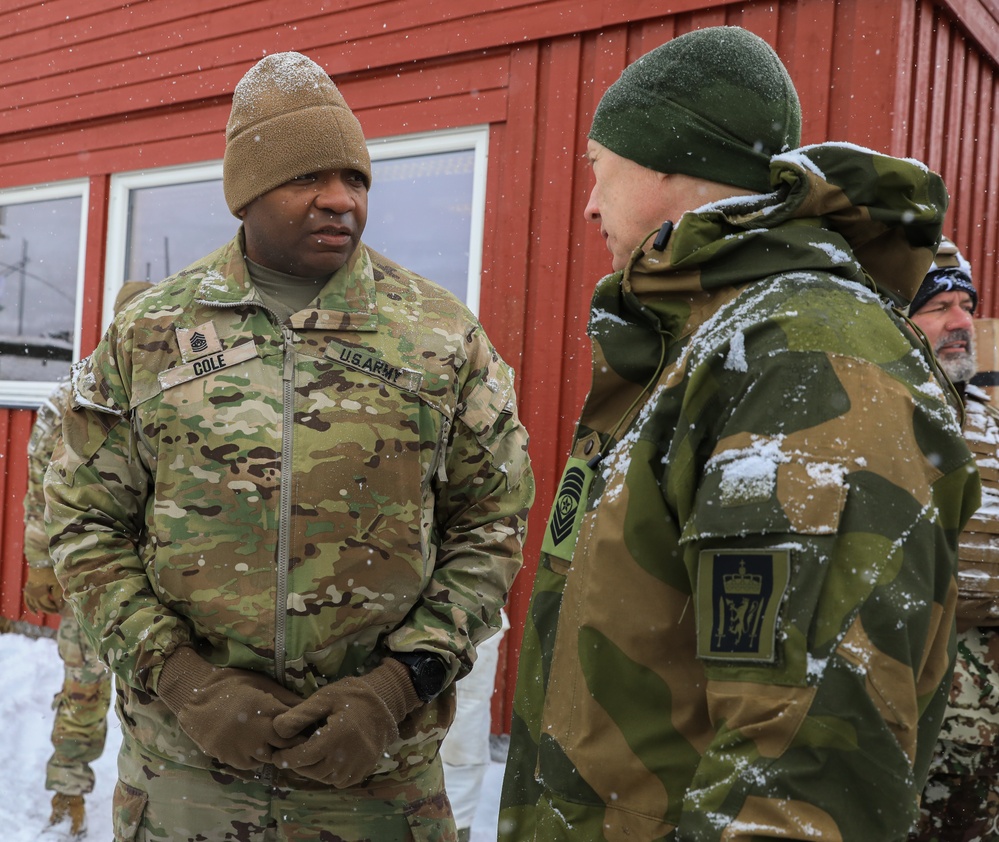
(835,208)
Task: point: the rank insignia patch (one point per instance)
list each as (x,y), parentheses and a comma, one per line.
(738,599)
(567,510)
(198,341)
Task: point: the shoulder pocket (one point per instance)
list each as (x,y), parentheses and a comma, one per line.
(490,412)
(85,433)
(759,488)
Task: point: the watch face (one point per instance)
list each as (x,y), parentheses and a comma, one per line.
(429,675)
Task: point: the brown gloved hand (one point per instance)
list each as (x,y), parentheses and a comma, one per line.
(42,591)
(358,719)
(228,712)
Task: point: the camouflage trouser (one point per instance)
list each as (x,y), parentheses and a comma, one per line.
(156,800)
(962,807)
(81,708)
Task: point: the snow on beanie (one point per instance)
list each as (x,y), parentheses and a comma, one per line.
(287,119)
(715,103)
(948,272)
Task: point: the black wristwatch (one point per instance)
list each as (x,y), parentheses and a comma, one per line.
(427,671)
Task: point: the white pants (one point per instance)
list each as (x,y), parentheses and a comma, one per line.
(465,750)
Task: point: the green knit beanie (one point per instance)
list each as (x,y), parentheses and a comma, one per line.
(715,103)
(287,119)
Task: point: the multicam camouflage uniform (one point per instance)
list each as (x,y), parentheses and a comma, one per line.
(296,499)
(81,705)
(961,799)
(748,631)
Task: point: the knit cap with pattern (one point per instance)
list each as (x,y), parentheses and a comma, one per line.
(715,103)
(949,272)
(287,119)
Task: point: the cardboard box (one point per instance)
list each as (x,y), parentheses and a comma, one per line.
(987,353)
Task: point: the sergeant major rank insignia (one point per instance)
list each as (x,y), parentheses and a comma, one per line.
(197,341)
(738,600)
(568,510)
(202,354)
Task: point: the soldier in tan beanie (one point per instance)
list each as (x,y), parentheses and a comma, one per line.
(292,504)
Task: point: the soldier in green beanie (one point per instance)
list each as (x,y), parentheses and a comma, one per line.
(742,624)
(291,503)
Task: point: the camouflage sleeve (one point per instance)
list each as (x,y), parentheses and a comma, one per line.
(96,492)
(45,435)
(824,500)
(483,491)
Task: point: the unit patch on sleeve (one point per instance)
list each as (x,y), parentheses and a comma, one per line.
(738,599)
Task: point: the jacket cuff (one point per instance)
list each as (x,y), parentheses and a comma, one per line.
(392,682)
(183,674)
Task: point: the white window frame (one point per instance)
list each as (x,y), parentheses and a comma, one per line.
(122,185)
(475,138)
(29,394)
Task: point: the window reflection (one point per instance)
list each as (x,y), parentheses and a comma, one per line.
(39,273)
(420,213)
(171,226)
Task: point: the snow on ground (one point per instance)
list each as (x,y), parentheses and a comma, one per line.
(30,675)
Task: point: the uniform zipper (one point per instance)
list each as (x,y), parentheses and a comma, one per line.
(284,513)
(284,507)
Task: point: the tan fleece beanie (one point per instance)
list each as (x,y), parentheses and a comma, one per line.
(287,119)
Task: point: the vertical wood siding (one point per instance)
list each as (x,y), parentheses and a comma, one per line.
(116,87)
(946,118)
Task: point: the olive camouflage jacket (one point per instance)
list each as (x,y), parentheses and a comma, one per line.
(742,623)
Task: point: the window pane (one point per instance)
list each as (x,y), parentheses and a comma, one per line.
(420,215)
(170,227)
(39,269)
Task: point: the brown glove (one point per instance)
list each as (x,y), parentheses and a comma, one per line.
(42,591)
(358,719)
(228,712)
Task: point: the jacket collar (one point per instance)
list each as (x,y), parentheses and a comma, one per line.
(348,301)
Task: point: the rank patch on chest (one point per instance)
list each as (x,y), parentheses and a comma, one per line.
(738,600)
(198,341)
(568,510)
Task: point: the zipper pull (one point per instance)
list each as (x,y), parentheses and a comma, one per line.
(289,356)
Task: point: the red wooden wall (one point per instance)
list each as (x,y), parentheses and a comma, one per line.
(93,87)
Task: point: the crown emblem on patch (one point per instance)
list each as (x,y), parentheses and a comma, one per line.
(742,583)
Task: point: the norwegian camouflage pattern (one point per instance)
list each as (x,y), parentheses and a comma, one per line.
(159,801)
(79,727)
(961,798)
(772,409)
(398,525)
